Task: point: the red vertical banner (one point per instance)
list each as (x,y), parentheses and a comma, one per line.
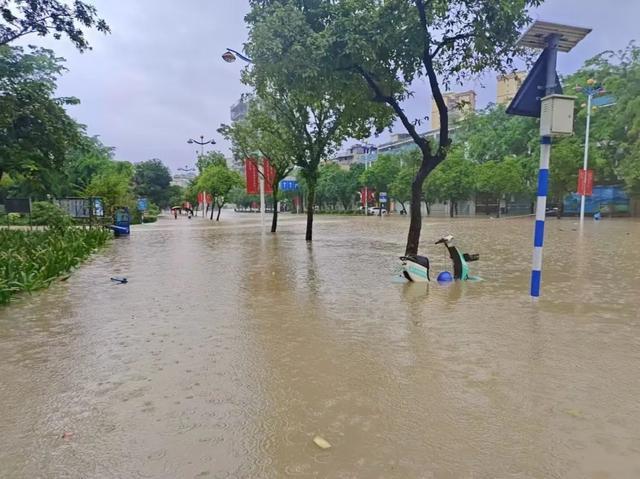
(370,193)
(585,182)
(269,175)
(200,197)
(251,175)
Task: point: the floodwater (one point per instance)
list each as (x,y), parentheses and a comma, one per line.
(229,350)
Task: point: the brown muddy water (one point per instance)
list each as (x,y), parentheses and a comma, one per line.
(228,351)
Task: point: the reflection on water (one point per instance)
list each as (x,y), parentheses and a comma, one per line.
(229,350)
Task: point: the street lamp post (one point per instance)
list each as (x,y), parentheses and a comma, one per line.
(590,90)
(202,143)
(187,169)
(231,56)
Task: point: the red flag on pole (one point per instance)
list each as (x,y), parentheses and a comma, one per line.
(585,182)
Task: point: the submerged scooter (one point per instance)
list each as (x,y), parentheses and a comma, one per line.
(416,268)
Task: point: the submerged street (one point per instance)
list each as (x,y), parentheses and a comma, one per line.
(228,351)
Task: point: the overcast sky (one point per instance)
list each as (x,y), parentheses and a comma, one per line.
(158,79)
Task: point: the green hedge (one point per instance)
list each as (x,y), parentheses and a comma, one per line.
(31,260)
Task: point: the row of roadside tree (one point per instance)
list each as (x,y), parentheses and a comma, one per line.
(493,155)
(324,72)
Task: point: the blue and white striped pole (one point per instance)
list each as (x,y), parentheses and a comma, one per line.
(541,209)
(543,174)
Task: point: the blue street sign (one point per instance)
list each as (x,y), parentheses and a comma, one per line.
(383,197)
(604,100)
(142,204)
(288,185)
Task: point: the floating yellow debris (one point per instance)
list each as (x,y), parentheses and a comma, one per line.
(321,442)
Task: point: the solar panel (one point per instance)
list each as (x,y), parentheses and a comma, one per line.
(537,34)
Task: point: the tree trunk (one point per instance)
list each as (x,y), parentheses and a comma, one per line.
(274,220)
(451,208)
(311,200)
(211,217)
(403,207)
(415,225)
(219,209)
(455,207)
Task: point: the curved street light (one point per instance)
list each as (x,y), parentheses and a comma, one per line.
(201,143)
(230,56)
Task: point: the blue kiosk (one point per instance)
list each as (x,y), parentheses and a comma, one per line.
(121,221)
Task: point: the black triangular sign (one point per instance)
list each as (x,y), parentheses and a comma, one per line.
(527,100)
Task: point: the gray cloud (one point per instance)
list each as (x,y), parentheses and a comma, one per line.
(158,79)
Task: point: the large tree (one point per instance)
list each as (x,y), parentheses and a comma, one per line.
(218,180)
(87,159)
(499,178)
(321,107)
(263,133)
(36,133)
(615,131)
(389,44)
(210,158)
(452,182)
(381,174)
(152,179)
(114,187)
(43,17)
(491,134)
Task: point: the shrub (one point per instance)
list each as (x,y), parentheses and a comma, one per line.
(46,214)
(31,260)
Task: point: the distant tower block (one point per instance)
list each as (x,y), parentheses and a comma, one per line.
(508,86)
(458,104)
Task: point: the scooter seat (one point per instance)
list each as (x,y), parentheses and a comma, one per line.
(421,260)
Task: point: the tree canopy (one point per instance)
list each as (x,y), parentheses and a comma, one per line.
(263,133)
(210,158)
(390,44)
(319,106)
(218,180)
(35,130)
(152,179)
(43,17)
